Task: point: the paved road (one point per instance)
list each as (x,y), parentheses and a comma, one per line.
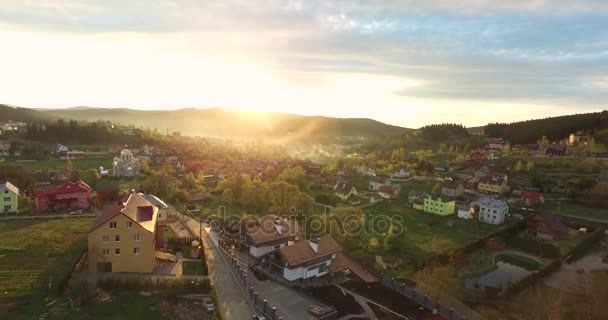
(48,216)
(582,218)
(232,299)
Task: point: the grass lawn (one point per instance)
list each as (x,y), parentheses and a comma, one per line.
(424,235)
(123,306)
(79,164)
(32,251)
(192,268)
(580,210)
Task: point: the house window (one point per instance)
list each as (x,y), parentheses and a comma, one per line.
(312,268)
(117,251)
(129,224)
(81,203)
(113,225)
(8,206)
(106,252)
(117,238)
(7,199)
(322,267)
(105,238)
(136,250)
(136,237)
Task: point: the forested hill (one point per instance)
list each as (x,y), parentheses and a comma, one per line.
(20,114)
(215,122)
(555,128)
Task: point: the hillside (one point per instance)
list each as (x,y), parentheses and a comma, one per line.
(215,122)
(21,114)
(554,128)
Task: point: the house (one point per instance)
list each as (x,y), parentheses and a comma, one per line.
(496,144)
(492,185)
(328,182)
(401,173)
(492,210)
(472,183)
(546,226)
(366,171)
(5,147)
(555,150)
(108,193)
(123,238)
(309,258)
(376,182)
(388,192)
(466,212)
(344,172)
(452,188)
(500,175)
(65,196)
(354,199)
(344,190)
(531,198)
(440,205)
(578,138)
(61,149)
(493,156)
(271,233)
(126,165)
(9,198)
(418,204)
(481,172)
(477,156)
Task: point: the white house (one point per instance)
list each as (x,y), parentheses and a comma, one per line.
(309,258)
(401,173)
(375,183)
(493,210)
(466,212)
(271,233)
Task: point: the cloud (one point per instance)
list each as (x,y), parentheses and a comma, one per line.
(518,52)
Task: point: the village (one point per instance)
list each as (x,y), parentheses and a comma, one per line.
(447,230)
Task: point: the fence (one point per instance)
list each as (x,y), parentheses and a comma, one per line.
(260,304)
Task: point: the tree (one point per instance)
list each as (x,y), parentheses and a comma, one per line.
(91,177)
(295,176)
(529,165)
(144,167)
(519,166)
(283,194)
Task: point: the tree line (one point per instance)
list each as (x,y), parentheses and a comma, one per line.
(555,128)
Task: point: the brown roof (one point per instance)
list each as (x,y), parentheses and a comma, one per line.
(136,208)
(301,252)
(272,228)
(343,262)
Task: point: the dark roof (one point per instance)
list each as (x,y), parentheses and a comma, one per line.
(554,222)
(301,252)
(451,184)
(64,187)
(108,188)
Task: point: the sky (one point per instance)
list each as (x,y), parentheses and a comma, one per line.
(408,63)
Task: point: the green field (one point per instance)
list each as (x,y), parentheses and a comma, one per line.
(54,164)
(34,251)
(579,210)
(424,235)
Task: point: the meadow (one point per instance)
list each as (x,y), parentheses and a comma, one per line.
(36,258)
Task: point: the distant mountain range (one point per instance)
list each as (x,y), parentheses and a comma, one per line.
(216,122)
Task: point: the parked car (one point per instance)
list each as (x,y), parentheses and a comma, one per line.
(256,317)
(76,212)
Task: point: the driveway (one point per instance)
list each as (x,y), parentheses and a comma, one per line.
(231,297)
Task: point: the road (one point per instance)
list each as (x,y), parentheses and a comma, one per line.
(232,299)
(582,218)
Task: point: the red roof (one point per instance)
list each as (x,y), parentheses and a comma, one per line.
(532,195)
(65,187)
(387,189)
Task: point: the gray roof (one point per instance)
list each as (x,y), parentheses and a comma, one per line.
(9,186)
(489,202)
(156,201)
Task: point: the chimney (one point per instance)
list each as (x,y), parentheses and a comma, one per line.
(314,244)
